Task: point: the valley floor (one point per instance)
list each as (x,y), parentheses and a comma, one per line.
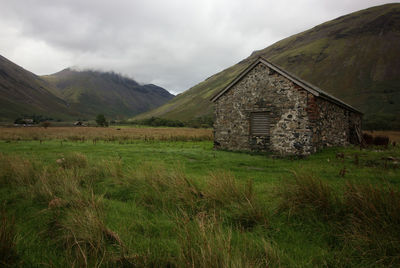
(171,200)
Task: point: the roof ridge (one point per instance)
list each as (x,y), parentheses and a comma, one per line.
(302,83)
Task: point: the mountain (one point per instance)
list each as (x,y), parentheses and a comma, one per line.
(108,93)
(355,57)
(24,93)
(69,95)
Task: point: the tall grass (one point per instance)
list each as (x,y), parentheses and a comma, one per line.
(8,249)
(366,218)
(16,170)
(307,193)
(206,214)
(373,222)
(205,242)
(209,214)
(173,191)
(75,214)
(215,220)
(84,236)
(238,201)
(73,160)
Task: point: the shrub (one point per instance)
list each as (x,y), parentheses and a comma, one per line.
(368,139)
(377,140)
(201,122)
(19,121)
(158,122)
(45,124)
(101,120)
(198,122)
(381,141)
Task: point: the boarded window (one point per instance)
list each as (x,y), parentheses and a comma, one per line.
(259,124)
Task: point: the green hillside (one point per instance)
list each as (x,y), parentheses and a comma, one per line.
(116,96)
(24,93)
(354,57)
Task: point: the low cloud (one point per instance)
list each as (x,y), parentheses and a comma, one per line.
(174,44)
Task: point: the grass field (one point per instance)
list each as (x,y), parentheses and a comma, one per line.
(165,198)
(123,134)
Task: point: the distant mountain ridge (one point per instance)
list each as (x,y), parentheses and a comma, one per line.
(355,57)
(94,92)
(70,94)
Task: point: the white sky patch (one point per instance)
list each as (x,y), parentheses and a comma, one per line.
(174,44)
(37,55)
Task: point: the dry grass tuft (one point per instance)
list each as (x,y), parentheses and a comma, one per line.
(174,191)
(373,226)
(16,171)
(167,190)
(223,191)
(222,188)
(306,192)
(8,251)
(83,234)
(73,160)
(56,183)
(204,242)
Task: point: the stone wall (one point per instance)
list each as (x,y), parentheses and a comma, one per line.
(264,90)
(334,125)
(299,123)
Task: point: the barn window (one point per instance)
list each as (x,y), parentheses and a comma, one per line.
(259,124)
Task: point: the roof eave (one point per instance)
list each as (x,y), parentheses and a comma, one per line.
(303,84)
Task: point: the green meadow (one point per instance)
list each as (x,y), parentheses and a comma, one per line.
(178,203)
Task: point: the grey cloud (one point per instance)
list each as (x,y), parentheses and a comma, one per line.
(174,44)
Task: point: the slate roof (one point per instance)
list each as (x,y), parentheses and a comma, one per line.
(303,84)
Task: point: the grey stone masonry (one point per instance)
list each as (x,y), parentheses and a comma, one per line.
(297,121)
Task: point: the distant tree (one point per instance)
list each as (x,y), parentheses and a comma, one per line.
(101,120)
(19,121)
(46,124)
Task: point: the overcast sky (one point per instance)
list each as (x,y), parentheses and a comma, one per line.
(174,44)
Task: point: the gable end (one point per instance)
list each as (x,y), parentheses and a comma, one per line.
(303,84)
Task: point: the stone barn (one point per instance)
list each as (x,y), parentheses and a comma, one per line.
(267,109)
